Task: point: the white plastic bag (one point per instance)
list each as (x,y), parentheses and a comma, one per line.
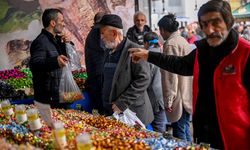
(74,58)
(68,89)
(129,117)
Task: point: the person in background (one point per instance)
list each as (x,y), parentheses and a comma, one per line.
(136,33)
(191,36)
(94,59)
(154,90)
(176,88)
(48,57)
(238,28)
(221,84)
(183,32)
(125,83)
(246,33)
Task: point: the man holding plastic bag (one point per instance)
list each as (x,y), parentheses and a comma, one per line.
(125,83)
(48,57)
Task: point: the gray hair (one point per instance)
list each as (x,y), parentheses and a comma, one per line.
(138,13)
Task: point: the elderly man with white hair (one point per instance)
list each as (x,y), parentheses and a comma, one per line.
(125,83)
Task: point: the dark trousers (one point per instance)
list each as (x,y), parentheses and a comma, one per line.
(181,128)
(160,121)
(94,89)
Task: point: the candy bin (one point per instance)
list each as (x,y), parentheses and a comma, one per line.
(84,142)
(6,107)
(21,115)
(34,120)
(60,134)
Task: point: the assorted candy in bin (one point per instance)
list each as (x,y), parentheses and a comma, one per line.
(165,144)
(102,132)
(7,90)
(20,83)
(27,72)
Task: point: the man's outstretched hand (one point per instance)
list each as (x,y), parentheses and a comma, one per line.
(137,54)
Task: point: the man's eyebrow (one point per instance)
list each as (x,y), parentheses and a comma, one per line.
(212,19)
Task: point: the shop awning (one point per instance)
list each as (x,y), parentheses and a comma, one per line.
(242,11)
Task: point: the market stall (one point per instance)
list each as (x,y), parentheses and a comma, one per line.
(103,132)
(22,126)
(242,13)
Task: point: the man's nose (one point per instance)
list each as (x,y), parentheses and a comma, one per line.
(209,29)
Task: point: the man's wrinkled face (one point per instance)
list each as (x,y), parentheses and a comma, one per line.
(214,27)
(108,37)
(140,22)
(59,24)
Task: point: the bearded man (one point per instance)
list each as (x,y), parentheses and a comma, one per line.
(125,83)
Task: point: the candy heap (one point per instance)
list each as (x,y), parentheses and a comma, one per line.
(106,133)
(13,80)
(6,145)
(6,90)
(9,74)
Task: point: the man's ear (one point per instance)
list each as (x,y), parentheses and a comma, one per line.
(53,23)
(114,33)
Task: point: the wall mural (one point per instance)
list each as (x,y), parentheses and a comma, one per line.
(20,23)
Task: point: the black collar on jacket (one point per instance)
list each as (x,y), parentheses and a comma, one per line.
(56,41)
(146,28)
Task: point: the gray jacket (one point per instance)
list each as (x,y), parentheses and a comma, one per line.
(129,85)
(155,87)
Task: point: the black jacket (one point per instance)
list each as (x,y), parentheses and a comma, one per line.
(94,55)
(136,36)
(45,68)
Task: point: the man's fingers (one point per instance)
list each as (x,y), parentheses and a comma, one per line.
(64,58)
(133,50)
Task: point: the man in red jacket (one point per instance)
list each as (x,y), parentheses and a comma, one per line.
(221,69)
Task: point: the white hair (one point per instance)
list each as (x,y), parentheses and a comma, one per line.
(139,13)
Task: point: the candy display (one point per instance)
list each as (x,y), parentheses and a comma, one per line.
(101,130)
(10,74)
(20,83)
(4,145)
(14,83)
(27,72)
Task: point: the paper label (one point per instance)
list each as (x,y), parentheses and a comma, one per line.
(45,112)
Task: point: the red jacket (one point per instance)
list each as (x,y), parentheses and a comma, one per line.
(231,97)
